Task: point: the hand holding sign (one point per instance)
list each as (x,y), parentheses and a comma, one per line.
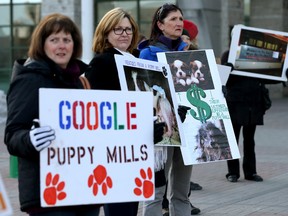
(41,137)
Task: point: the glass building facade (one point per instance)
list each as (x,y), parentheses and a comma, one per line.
(19,18)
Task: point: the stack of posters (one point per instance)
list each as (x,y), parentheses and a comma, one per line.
(190,79)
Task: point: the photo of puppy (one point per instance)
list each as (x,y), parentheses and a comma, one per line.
(163,110)
(190,68)
(180,71)
(184,75)
(197,75)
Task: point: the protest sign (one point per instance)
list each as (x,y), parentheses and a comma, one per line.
(224,73)
(5,205)
(259,53)
(103,151)
(143,75)
(207,129)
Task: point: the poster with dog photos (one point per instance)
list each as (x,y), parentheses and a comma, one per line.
(103,151)
(207,129)
(260,53)
(142,75)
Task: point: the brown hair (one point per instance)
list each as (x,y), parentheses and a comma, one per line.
(54,23)
(107,24)
(160,14)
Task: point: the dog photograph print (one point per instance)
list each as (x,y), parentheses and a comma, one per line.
(139,79)
(190,68)
(212,142)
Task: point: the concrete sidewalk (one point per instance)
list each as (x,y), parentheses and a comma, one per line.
(220,197)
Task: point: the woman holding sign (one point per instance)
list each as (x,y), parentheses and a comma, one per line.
(116,33)
(56,45)
(166,31)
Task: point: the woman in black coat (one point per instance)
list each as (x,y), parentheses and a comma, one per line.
(244,98)
(56,44)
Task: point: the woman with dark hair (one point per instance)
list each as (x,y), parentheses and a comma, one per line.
(56,45)
(166,31)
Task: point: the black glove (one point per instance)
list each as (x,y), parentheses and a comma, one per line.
(230,65)
(182,111)
(158,131)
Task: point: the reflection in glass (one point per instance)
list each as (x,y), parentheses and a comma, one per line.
(5,15)
(104,7)
(26,14)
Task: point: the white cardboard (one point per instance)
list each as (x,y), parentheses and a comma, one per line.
(90,162)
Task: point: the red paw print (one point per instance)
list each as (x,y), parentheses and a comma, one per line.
(53,191)
(99,177)
(144,185)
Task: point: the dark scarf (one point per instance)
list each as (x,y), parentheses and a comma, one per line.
(171,44)
(72,72)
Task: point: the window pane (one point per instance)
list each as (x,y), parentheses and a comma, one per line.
(25,1)
(5,38)
(129,6)
(5,74)
(5,58)
(26,14)
(5,15)
(21,35)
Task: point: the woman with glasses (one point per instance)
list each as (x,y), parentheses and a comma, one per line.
(116,33)
(166,31)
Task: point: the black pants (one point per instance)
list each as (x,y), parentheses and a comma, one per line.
(117,209)
(249,158)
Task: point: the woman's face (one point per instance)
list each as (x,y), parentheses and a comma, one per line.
(121,40)
(59,48)
(172,25)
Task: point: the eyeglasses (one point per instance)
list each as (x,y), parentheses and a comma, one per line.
(120,30)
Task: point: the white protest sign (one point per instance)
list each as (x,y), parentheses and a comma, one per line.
(208,130)
(5,206)
(224,73)
(103,151)
(142,75)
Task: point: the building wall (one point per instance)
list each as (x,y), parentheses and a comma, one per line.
(268,14)
(232,14)
(271,15)
(214,19)
(71,8)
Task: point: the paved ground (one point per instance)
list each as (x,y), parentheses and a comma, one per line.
(220,197)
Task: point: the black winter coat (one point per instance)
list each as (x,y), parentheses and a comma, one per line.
(23,107)
(244,97)
(102,72)
(245,100)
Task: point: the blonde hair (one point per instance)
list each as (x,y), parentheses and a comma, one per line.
(107,24)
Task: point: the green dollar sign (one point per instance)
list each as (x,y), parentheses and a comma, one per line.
(194,95)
